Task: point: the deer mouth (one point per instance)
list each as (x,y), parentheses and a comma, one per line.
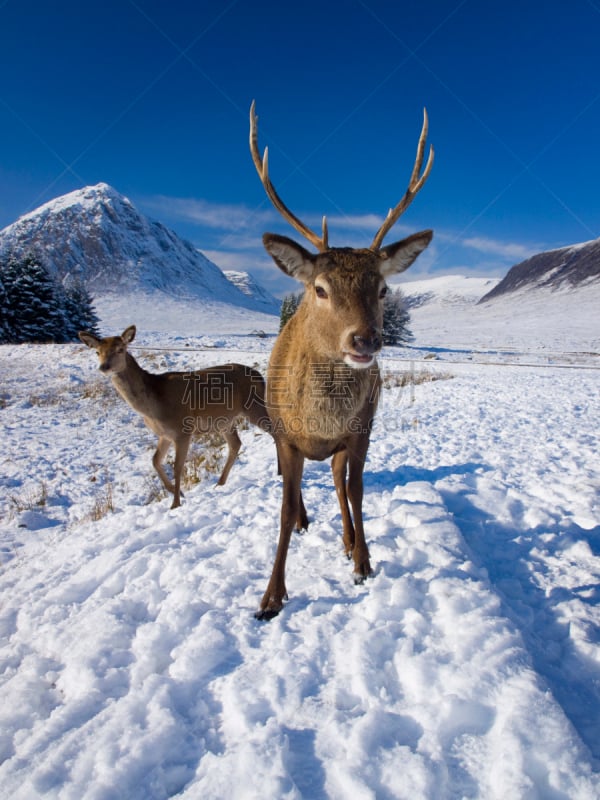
(359,360)
(361,349)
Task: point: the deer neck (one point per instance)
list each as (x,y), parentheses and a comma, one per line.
(306,384)
(134,385)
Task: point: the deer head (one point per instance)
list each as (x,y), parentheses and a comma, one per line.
(344,287)
(112,351)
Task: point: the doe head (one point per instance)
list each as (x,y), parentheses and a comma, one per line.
(111,351)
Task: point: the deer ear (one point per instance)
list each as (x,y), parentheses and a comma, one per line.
(399,256)
(89,339)
(128,334)
(290,257)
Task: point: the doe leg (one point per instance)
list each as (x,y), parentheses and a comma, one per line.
(181,450)
(157,462)
(233,444)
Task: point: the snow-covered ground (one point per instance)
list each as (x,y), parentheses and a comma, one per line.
(539,321)
(131,665)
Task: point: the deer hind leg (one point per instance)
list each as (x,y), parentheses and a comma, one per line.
(360,553)
(292,463)
(181,450)
(157,462)
(233,444)
(302,521)
(339,464)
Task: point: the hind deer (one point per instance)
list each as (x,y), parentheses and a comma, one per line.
(323,380)
(178,405)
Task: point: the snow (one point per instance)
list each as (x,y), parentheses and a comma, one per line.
(468,667)
(533,321)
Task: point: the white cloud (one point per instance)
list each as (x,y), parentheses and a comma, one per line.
(219,216)
(508,250)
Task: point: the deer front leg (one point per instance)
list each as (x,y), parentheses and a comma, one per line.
(360,552)
(291,462)
(302,521)
(157,462)
(181,450)
(338,468)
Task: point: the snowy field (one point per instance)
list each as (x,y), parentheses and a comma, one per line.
(132,668)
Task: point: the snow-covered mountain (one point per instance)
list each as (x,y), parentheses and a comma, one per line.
(565,268)
(98,234)
(247,284)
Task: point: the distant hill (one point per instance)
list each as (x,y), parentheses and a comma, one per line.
(446,314)
(566,268)
(98,235)
(247,284)
(445,290)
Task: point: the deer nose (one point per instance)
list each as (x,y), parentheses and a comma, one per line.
(367,344)
(104,367)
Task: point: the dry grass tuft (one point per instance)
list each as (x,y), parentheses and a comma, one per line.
(30,500)
(204,458)
(103,504)
(411,377)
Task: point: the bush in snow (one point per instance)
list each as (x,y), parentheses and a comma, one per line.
(395,319)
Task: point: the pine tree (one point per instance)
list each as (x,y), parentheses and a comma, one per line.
(78,308)
(11,272)
(288,308)
(5,333)
(40,314)
(395,319)
(36,308)
(34,302)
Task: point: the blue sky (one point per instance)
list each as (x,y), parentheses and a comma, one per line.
(153,99)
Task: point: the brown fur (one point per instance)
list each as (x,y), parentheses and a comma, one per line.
(178,405)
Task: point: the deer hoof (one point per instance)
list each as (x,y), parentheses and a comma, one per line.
(302,523)
(265,614)
(361,577)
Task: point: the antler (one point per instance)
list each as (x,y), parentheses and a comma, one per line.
(262,167)
(414,186)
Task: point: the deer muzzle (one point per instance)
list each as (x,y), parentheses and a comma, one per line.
(363,348)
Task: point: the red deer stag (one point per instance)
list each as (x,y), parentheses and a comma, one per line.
(177,405)
(323,379)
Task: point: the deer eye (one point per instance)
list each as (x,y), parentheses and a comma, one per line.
(383,291)
(321,292)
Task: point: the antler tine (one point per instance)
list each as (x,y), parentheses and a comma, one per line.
(414,186)
(262,167)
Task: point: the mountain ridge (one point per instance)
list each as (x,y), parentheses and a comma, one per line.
(97,235)
(563,268)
